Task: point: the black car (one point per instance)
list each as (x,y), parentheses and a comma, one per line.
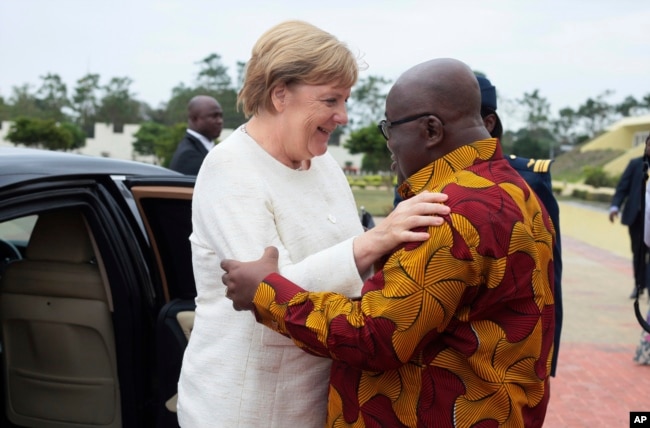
(96,290)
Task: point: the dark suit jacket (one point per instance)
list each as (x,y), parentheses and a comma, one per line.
(189,155)
(538,176)
(629,191)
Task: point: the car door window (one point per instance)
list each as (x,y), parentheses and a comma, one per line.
(167,214)
(14,235)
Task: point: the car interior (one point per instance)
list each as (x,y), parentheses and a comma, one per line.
(58,346)
(70,352)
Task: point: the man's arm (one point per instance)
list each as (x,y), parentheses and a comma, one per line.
(622,191)
(407,304)
(379,332)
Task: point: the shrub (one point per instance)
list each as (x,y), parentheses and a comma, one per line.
(374,180)
(598,197)
(597,177)
(357,182)
(579,193)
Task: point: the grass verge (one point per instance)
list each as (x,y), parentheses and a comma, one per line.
(378,202)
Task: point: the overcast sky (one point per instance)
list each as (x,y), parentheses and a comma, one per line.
(568,49)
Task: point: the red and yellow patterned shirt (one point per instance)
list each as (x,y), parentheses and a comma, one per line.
(456,331)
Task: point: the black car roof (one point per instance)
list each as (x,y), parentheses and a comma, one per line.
(23,164)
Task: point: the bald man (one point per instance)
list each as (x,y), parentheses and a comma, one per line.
(456,330)
(204,125)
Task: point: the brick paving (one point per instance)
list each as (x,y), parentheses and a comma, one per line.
(597,382)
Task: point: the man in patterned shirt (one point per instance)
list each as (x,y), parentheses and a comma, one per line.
(456,331)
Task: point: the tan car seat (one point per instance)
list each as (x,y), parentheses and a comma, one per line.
(57,331)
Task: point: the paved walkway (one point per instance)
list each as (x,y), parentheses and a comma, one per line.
(597,383)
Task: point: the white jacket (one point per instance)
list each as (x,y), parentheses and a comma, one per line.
(237,373)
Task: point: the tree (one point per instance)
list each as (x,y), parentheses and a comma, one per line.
(84,102)
(627,107)
(564,127)
(536,109)
(4,109)
(533,143)
(367,101)
(507,142)
(176,109)
(645,103)
(369,141)
(146,137)
(166,151)
(54,97)
(23,103)
(213,75)
(241,74)
(77,134)
(596,113)
(45,133)
(118,106)
(228,100)
(155,139)
(213,80)
(537,132)
(158,140)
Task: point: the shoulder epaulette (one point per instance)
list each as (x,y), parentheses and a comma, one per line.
(539,165)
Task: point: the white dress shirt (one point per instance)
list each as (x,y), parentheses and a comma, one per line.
(207,143)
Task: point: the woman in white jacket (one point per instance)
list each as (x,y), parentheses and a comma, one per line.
(272,182)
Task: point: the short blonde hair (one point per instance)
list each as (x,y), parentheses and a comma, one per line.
(294,52)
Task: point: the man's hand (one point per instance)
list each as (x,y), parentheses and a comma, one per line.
(613,214)
(242,278)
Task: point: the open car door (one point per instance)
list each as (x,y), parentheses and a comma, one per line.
(166,210)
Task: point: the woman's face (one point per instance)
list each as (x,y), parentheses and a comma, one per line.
(310,114)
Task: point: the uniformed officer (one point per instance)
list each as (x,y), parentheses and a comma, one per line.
(537,174)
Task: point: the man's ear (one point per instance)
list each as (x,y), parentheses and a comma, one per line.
(490,121)
(435,131)
(278,95)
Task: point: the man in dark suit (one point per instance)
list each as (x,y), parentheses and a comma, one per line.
(204,124)
(537,174)
(629,193)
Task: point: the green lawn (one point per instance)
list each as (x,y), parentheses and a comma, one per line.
(378,202)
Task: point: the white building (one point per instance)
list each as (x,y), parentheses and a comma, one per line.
(107,143)
(111,144)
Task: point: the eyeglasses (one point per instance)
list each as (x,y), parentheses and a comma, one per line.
(384,125)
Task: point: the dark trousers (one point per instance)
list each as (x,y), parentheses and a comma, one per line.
(639,254)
